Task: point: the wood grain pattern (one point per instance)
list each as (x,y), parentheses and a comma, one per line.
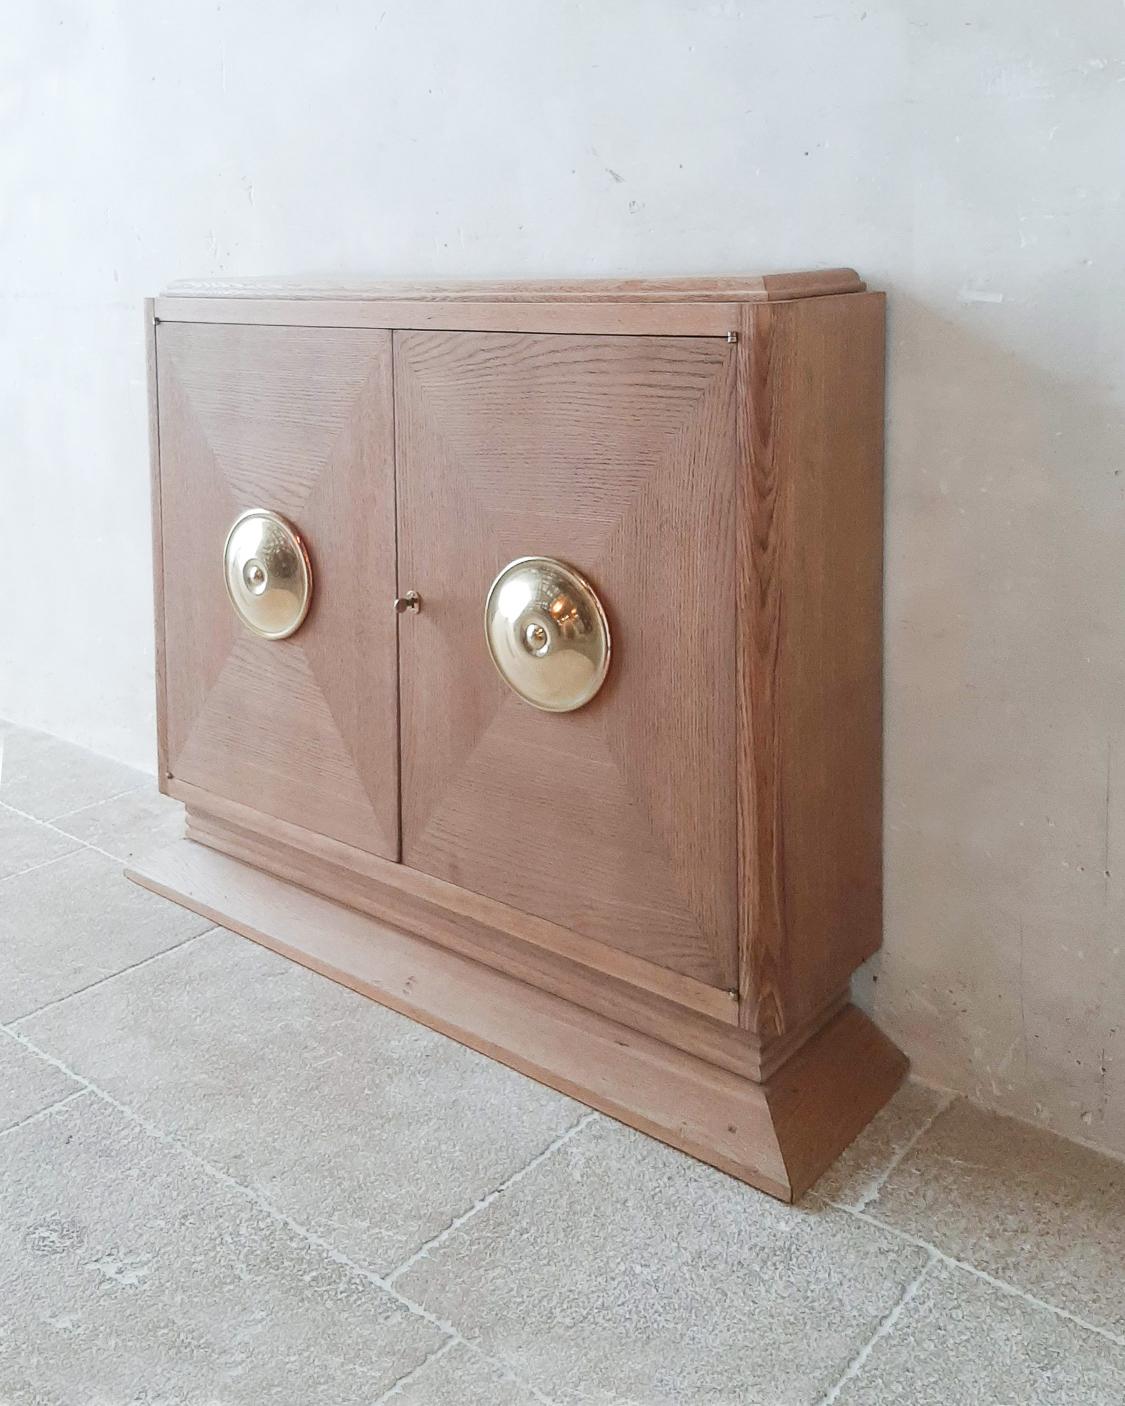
(159,662)
(767,1135)
(659,1002)
(297,420)
(621,1000)
(375,874)
(810,671)
(587,318)
(817,1106)
(729,288)
(618,456)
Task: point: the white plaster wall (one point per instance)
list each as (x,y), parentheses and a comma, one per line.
(967,157)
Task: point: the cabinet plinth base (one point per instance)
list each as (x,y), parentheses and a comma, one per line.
(778,1135)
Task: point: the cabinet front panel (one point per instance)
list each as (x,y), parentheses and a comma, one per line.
(299,421)
(617,456)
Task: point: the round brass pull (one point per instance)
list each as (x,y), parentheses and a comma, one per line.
(267,573)
(547,633)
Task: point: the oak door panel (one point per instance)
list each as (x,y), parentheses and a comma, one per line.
(298,420)
(617,455)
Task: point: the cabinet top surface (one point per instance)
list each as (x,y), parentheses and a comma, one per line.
(727,288)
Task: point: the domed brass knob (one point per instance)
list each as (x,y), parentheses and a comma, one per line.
(267,573)
(547,633)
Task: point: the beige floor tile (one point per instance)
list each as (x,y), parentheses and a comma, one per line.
(356,1121)
(1041,1213)
(962,1342)
(616,1271)
(622,1272)
(129,1275)
(460,1377)
(46,777)
(75,922)
(27,1084)
(128,826)
(855,1176)
(25,844)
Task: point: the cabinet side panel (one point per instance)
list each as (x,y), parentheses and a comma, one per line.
(157,544)
(810,652)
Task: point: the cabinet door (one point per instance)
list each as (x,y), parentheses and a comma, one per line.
(297,420)
(616,455)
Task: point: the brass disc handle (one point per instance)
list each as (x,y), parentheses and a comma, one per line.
(267,573)
(547,633)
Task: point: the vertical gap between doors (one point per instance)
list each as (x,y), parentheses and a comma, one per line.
(398,592)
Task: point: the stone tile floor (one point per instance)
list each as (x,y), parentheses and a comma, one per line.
(225,1181)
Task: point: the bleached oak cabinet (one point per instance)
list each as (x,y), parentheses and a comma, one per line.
(519,664)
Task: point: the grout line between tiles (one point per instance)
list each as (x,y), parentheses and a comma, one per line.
(885,1327)
(43,863)
(48,825)
(105,800)
(1002,1284)
(103,980)
(275,1213)
(42,1112)
(857,1210)
(395,1388)
(499,1365)
(448,1328)
(880,1180)
(998,1110)
(423,1251)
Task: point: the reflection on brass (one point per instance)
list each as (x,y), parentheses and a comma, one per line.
(267,574)
(547,633)
(411,601)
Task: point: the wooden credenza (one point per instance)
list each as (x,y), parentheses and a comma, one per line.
(519,664)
